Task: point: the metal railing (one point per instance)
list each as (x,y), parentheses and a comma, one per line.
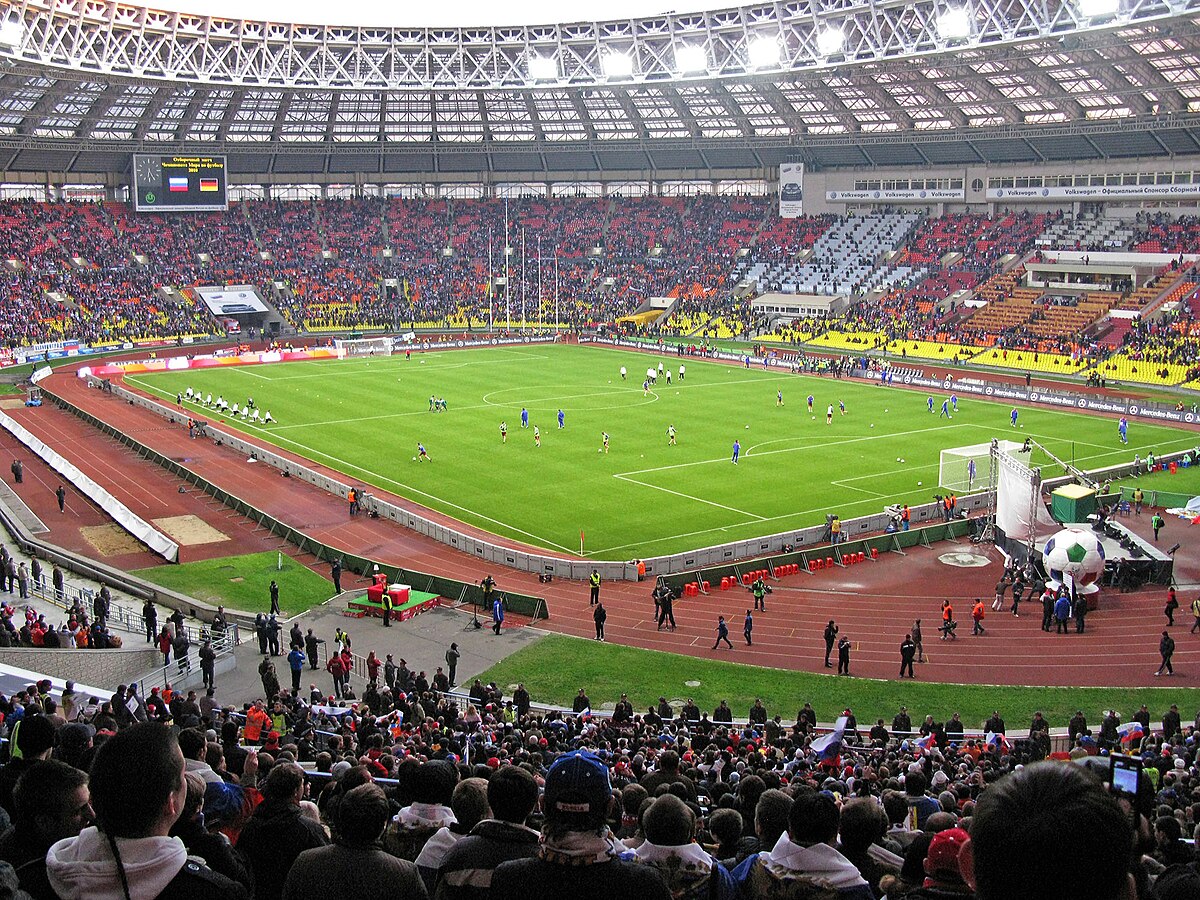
(129,619)
(182,670)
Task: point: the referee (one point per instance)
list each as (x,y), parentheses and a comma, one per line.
(594,581)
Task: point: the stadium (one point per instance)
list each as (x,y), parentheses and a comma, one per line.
(560,344)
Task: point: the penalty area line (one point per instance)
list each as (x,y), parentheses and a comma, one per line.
(665,490)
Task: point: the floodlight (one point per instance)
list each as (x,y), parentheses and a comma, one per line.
(1098,9)
(543,68)
(618,65)
(830,41)
(954,24)
(12,32)
(691,58)
(763,52)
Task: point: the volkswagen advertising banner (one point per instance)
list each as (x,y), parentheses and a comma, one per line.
(791,190)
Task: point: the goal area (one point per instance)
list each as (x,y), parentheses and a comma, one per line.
(376,346)
(966,469)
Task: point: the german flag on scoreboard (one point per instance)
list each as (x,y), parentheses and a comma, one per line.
(208,184)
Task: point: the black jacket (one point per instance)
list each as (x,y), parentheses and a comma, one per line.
(536,879)
(275,835)
(466,871)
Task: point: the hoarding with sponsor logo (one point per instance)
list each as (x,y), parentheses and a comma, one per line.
(930,195)
(1095,192)
(791,190)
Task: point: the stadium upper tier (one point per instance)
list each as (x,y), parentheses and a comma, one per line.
(102,274)
(872,83)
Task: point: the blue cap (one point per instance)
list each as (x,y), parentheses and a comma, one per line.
(577,786)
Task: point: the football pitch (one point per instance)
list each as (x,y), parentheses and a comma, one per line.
(643,497)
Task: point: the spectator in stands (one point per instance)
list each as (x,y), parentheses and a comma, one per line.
(863,823)
(920,806)
(804,860)
(354,867)
(138,792)
(33,738)
(208,844)
(1042,806)
(432,786)
(667,772)
(470,807)
(51,803)
(578,856)
(466,871)
(671,848)
(195,748)
(278,832)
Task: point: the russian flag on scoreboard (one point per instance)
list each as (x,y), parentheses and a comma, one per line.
(177,184)
(1130,732)
(208,184)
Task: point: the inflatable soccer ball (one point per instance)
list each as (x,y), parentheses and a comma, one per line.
(1075,553)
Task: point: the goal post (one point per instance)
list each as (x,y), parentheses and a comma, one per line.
(376,346)
(966,469)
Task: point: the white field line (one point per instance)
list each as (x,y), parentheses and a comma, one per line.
(665,490)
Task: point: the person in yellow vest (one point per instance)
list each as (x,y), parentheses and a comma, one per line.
(594,581)
(387,610)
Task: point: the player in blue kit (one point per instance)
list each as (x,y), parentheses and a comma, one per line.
(810,402)
(929,403)
(737,449)
(1013,417)
(1123,430)
(954,402)
(945,410)
(561,419)
(524,417)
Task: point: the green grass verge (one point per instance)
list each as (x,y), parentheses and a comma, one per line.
(555,668)
(243,582)
(365,417)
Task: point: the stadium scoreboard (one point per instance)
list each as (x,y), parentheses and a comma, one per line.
(179,183)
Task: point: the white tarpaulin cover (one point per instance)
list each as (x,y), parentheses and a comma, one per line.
(139,528)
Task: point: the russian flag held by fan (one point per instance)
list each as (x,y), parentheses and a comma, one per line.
(1130,732)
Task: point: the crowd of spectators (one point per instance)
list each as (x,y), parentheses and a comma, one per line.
(97,272)
(413,792)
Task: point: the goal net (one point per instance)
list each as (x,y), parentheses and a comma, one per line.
(377,346)
(962,470)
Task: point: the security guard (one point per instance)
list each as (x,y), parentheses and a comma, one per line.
(387,610)
(759,589)
(594,581)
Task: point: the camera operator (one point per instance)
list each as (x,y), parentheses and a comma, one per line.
(664,604)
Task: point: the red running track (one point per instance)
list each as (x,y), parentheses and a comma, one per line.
(874,603)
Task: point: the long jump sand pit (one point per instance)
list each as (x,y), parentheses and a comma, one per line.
(111,540)
(189,531)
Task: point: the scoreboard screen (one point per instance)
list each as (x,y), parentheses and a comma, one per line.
(179,183)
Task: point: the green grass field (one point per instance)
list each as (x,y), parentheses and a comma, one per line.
(643,498)
(555,668)
(243,582)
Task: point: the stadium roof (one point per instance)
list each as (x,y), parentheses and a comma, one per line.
(878,83)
